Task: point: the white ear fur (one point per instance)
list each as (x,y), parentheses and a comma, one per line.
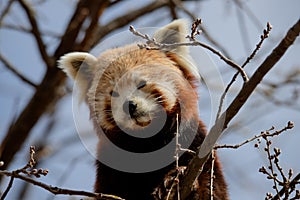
(80,66)
(176,32)
(73,62)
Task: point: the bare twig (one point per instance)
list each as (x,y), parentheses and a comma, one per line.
(6,10)
(24,29)
(288,185)
(9,66)
(212,175)
(273,175)
(271,91)
(250,14)
(205,149)
(60,191)
(266,134)
(292,184)
(90,31)
(179,170)
(178,148)
(243,29)
(36,33)
(290,102)
(177,142)
(54,78)
(123,20)
(285,183)
(194,29)
(193,42)
(180,5)
(172,8)
(265,35)
(29,170)
(11,181)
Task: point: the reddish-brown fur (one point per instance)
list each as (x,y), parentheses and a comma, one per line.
(133,186)
(165,71)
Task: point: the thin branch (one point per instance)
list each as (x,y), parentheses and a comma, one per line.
(29,31)
(285,183)
(273,167)
(123,20)
(243,30)
(58,191)
(293,184)
(10,67)
(178,149)
(94,16)
(29,170)
(204,31)
(265,35)
(11,181)
(212,175)
(6,11)
(250,14)
(51,83)
(55,78)
(221,124)
(264,134)
(36,33)
(172,8)
(193,42)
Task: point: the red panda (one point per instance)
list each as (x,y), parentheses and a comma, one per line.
(134,96)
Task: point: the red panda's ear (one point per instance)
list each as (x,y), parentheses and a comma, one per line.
(175,32)
(75,62)
(80,66)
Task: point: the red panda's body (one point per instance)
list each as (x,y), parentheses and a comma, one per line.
(131,92)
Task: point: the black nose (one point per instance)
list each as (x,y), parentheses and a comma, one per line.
(129,107)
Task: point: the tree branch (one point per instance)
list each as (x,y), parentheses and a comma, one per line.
(55,78)
(29,169)
(28,30)
(47,92)
(9,66)
(90,31)
(37,34)
(121,21)
(293,183)
(265,35)
(58,191)
(264,134)
(194,42)
(204,31)
(10,183)
(6,10)
(205,149)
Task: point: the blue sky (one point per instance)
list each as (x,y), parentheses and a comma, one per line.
(236,31)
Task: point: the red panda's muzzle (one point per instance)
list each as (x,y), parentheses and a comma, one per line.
(131,109)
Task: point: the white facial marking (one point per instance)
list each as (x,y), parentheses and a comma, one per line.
(136,107)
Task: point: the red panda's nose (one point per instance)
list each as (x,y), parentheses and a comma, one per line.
(129,107)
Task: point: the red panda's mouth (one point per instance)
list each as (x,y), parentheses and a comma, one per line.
(142,123)
(141,118)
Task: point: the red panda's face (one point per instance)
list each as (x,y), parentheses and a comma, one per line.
(138,98)
(134,89)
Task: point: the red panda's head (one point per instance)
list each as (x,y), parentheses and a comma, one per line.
(136,89)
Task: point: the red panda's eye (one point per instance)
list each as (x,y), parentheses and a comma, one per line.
(114,94)
(141,84)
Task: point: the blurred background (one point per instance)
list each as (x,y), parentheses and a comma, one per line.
(36,98)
